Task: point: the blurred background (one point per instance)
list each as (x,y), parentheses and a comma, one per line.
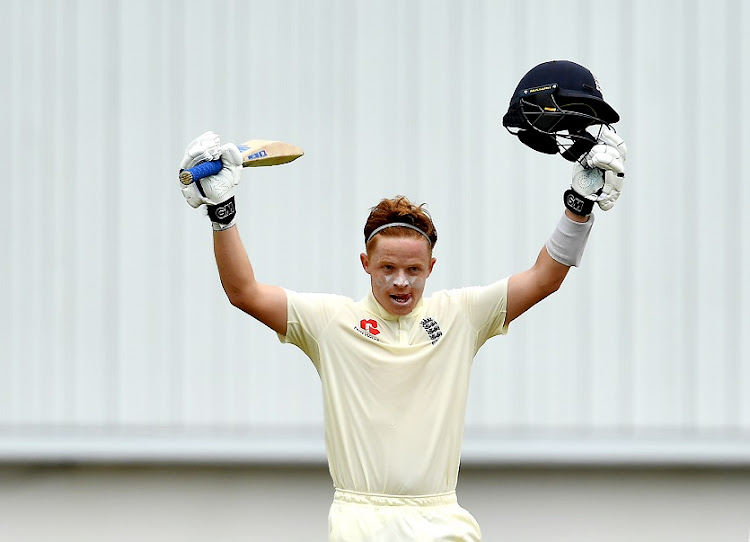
(136,403)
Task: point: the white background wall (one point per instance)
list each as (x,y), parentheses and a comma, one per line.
(115,329)
(116,343)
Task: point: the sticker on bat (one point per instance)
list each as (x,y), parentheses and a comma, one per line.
(259,154)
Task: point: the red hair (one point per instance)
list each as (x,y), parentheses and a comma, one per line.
(400,209)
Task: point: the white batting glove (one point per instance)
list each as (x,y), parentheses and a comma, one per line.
(205,148)
(608,155)
(585,185)
(587,181)
(218,189)
(215,191)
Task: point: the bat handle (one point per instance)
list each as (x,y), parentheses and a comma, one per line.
(196,173)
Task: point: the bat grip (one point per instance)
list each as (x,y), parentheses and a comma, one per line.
(196,173)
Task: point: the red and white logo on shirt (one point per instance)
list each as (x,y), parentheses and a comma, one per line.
(370,326)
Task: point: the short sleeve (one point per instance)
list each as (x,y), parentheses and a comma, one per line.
(485,307)
(308,314)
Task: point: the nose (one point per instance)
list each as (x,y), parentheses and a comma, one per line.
(401,280)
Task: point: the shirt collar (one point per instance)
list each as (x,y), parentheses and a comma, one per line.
(373,306)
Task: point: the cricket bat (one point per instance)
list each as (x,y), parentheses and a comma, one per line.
(255,153)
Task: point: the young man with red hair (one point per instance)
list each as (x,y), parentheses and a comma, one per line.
(394,365)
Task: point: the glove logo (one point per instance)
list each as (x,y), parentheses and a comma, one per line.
(574,204)
(223,211)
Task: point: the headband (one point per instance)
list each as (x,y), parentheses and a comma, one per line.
(399,225)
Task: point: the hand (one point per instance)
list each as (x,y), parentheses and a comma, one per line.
(216,191)
(206,147)
(599,177)
(218,188)
(608,155)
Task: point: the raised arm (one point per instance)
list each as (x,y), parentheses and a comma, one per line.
(598,179)
(545,277)
(265,303)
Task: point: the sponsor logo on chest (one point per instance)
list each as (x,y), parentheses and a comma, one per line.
(368,328)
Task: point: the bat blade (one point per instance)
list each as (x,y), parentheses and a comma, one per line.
(255,153)
(260,152)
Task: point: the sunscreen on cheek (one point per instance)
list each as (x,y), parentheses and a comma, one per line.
(384,282)
(417,283)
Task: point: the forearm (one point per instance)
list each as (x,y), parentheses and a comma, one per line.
(576,218)
(263,302)
(235,270)
(568,241)
(562,250)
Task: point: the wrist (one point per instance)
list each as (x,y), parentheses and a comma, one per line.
(568,241)
(222,214)
(576,218)
(577,204)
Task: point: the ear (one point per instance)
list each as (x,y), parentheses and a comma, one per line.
(432,264)
(365,260)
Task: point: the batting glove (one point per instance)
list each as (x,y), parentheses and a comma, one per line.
(609,155)
(216,191)
(205,148)
(599,176)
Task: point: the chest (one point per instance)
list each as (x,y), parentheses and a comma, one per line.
(405,332)
(393,361)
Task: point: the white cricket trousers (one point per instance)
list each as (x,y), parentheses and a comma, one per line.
(362,517)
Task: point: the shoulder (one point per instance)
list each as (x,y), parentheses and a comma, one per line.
(317,297)
(310,314)
(495,290)
(314,301)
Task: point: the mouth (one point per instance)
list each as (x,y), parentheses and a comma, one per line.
(401,299)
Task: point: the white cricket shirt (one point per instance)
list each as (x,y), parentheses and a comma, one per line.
(395,387)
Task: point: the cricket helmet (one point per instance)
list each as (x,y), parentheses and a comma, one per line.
(554,104)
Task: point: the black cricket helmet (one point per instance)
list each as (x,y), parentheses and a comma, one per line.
(553,105)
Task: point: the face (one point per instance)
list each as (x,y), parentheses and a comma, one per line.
(398,269)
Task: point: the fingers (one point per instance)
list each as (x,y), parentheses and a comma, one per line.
(608,155)
(204,148)
(607,203)
(605,157)
(207,146)
(219,187)
(230,155)
(611,190)
(193,196)
(610,137)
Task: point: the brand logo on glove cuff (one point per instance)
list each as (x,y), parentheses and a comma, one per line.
(223,211)
(575,204)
